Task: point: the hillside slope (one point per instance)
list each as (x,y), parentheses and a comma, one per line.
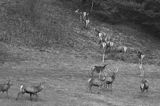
(51,23)
(53,47)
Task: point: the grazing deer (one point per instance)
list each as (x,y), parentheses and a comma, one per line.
(144,86)
(5,87)
(31,90)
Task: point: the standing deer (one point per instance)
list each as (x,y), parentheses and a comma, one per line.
(84,17)
(144,86)
(141,57)
(96,82)
(110,79)
(98,69)
(87,21)
(103,46)
(5,87)
(100,35)
(122,49)
(31,90)
(109,45)
(80,14)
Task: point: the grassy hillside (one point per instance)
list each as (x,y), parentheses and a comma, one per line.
(44,41)
(43,24)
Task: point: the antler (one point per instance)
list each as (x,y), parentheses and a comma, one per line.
(116,70)
(109,70)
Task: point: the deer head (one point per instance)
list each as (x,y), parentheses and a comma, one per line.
(77,11)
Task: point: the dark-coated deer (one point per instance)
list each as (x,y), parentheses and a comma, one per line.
(144,86)
(5,87)
(98,69)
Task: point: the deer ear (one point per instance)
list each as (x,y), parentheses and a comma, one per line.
(76,10)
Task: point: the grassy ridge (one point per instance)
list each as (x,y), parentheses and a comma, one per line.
(44,24)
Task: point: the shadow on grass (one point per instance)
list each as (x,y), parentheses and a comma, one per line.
(34,99)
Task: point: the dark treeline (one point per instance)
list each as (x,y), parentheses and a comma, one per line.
(142,12)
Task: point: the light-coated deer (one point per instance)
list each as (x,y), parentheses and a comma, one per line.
(31,90)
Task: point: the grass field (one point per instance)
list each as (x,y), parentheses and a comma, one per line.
(66,81)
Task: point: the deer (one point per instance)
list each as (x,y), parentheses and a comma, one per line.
(103,44)
(96,82)
(83,17)
(109,45)
(31,90)
(122,49)
(87,21)
(100,35)
(110,79)
(5,87)
(98,69)
(140,56)
(144,86)
(80,14)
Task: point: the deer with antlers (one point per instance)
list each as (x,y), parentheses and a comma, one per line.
(98,69)
(5,87)
(31,90)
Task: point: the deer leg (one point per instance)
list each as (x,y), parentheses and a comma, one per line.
(90,88)
(80,18)
(20,93)
(31,97)
(36,96)
(99,74)
(99,88)
(7,94)
(111,87)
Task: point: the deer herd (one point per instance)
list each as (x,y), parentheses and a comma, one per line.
(32,90)
(105,79)
(107,45)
